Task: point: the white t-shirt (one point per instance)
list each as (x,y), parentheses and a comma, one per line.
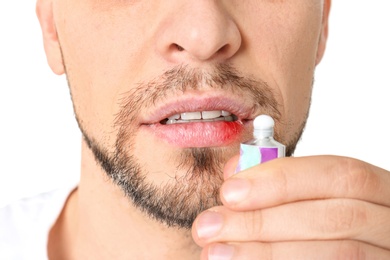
(25,225)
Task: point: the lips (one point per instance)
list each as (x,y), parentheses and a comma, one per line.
(200,121)
(199,116)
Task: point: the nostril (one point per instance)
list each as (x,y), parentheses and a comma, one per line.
(178,47)
(175,47)
(224,49)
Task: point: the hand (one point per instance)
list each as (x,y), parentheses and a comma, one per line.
(321,207)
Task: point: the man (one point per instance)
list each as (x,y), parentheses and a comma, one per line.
(164,92)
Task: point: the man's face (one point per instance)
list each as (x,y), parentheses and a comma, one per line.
(164,91)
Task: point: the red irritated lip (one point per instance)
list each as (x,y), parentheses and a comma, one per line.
(208,134)
(200,133)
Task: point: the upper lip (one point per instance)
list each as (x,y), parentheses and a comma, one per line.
(242,109)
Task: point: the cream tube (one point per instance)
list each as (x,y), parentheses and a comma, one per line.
(263,147)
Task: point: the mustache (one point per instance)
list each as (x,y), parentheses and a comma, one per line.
(180,79)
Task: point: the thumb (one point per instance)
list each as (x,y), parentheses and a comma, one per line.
(230,167)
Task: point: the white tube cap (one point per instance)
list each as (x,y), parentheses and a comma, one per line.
(263,126)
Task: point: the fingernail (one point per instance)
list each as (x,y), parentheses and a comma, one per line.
(209,224)
(235,190)
(221,252)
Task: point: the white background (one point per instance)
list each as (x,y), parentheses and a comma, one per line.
(40,141)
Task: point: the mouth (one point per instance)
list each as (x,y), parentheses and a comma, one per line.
(197,108)
(196,121)
(200,116)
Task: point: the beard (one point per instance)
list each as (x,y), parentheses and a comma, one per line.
(177,203)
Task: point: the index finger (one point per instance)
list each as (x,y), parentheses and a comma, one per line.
(306,178)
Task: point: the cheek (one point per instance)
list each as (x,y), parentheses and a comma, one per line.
(298,80)
(285,50)
(100,54)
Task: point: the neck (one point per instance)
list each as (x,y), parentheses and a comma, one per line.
(106,225)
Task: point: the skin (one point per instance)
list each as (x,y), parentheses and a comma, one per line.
(299,208)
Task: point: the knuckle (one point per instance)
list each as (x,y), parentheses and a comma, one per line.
(253,224)
(355,177)
(342,216)
(350,250)
(280,185)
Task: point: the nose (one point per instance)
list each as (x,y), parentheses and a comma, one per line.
(198,31)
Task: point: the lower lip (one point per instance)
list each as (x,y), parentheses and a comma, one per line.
(207,134)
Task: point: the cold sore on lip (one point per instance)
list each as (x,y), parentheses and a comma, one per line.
(198,132)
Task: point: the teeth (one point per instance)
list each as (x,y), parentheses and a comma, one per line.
(177,116)
(191,115)
(210,116)
(225,113)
